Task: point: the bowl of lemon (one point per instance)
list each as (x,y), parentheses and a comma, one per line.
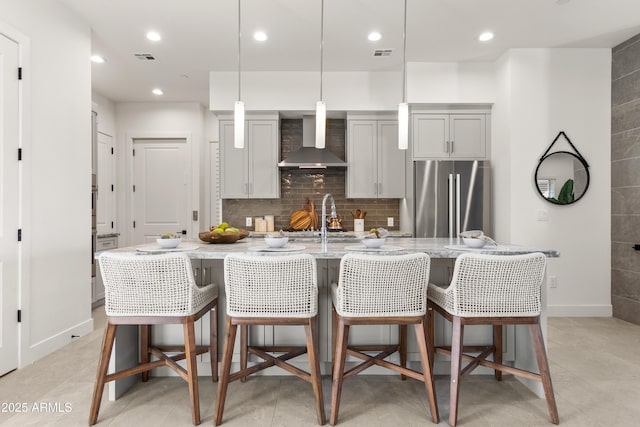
(223,233)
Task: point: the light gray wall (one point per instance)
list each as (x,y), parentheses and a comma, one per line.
(55,285)
(625,180)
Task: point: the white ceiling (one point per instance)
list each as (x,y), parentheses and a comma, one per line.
(202,35)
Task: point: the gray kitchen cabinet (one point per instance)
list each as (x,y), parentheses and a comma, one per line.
(374,160)
(103,243)
(449,136)
(251,172)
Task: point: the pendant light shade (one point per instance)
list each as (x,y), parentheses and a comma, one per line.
(321,122)
(403,107)
(403,126)
(238,125)
(321,108)
(238,109)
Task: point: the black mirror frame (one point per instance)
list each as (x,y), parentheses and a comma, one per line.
(577,155)
(580,159)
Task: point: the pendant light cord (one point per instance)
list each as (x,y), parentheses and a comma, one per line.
(404,56)
(239,56)
(321,44)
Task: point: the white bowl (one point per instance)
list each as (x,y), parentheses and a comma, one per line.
(373,243)
(276,241)
(169,243)
(473,242)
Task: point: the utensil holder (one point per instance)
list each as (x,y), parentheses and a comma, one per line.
(358,225)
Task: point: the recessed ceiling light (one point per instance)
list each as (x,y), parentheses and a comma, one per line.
(260,36)
(486,36)
(157,92)
(374,36)
(153,36)
(562,1)
(97,59)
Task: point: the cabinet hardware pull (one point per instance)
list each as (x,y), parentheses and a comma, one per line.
(636,247)
(452,146)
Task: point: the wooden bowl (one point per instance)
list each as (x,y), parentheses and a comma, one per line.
(224,237)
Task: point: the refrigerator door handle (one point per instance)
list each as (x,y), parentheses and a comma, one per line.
(451,229)
(457,204)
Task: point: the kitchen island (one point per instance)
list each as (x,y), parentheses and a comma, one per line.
(207,260)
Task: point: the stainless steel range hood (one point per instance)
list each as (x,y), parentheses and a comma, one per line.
(309,157)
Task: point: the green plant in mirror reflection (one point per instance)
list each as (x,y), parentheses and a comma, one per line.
(566,195)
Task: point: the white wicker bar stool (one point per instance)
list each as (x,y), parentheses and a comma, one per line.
(381,290)
(492,290)
(270,290)
(149,290)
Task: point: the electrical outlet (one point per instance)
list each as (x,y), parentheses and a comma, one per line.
(553,281)
(248,221)
(390,221)
(542,215)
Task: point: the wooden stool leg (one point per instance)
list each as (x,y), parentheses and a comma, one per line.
(431,334)
(402,330)
(311,332)
(244,332)
(213,340)
(192,370)
(456,361)
(334,332)
(103,366)
(145,344)
(227,355)
(342,340)
(426,371)
(543,365)
(497,354)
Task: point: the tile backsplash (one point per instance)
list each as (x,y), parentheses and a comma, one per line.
(298,184)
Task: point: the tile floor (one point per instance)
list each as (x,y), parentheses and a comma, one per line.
(594,366)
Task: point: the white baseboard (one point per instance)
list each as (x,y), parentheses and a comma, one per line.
(580,310)
(55,342)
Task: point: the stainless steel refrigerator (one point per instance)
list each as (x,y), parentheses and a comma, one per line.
(451,196)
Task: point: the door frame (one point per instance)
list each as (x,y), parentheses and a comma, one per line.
(25,355)
(190,199)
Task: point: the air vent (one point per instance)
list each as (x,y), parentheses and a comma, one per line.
(144,56)
(382,52)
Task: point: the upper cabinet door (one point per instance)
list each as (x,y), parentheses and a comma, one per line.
(449,136)
(430,136)
(264,175)
(468,136)
(391,161)
(233,165)
(362,157)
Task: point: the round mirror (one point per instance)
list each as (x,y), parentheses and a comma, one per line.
(562,177)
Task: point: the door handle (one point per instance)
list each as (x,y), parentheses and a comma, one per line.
(457,204)
(451,205)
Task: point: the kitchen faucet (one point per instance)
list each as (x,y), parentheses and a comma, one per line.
(323,230)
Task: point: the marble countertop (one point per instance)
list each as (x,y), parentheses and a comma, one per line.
(436,248)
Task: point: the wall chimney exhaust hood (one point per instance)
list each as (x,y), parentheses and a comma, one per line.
(309,157)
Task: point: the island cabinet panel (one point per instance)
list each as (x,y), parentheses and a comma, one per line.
(449,136)
(212,271)
(374,160)
(250,172)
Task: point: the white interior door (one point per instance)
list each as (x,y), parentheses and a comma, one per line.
(8,204)
(105,222)
(161,185)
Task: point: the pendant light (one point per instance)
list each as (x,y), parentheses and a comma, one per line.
(403,107)
(238,110)
(321,108)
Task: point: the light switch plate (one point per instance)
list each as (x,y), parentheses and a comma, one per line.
(248,221)
(390,221)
